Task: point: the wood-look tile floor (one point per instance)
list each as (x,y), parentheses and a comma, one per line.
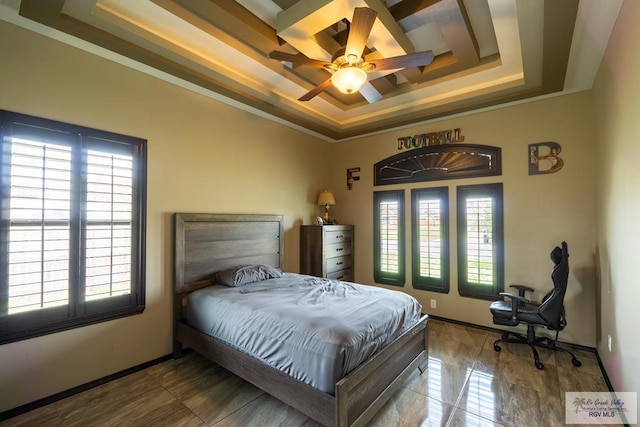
(467,384)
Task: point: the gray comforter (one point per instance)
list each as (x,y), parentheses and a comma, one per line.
(316,330)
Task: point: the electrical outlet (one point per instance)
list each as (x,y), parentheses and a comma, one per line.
(608,341)
(433,305)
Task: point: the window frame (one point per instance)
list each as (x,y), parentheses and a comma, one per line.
(418,281)
(76,312)
(384,277)
(470,289)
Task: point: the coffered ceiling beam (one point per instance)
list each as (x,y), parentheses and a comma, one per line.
(407,8)
(452,20)
(225,20)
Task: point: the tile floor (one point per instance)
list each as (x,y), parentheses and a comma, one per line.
(467,384)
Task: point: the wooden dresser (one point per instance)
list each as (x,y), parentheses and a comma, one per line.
(327,251)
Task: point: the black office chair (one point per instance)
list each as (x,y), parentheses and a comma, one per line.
(549,313)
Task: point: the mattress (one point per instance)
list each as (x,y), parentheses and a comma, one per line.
(316,330)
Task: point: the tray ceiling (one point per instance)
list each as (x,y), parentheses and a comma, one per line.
(487,52)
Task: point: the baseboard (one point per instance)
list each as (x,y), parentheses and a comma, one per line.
(570,345)
(500,331)
(79,389)
(84,387)
(604,372)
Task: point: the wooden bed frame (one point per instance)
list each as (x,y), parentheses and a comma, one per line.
(206,243)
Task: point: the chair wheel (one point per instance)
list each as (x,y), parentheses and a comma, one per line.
(576,362)
(497,348)
(540,365)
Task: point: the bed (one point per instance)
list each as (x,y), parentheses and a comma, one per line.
(209,243)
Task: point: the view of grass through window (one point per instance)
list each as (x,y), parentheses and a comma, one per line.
(479,240)
(389,250)
(430,241)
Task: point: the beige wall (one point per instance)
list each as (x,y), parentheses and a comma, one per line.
(539,211)
(207,157)
(203,157)
(616,101)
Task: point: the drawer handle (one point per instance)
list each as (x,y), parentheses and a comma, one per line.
(339,237)
(339,249)
(339,263)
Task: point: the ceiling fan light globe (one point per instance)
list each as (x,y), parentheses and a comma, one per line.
(349,79)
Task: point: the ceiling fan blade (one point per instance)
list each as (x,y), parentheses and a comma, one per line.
(316,90)
(370,93)
(403,61)
(361,24)
(297,59)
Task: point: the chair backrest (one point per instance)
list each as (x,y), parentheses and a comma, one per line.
(552,307)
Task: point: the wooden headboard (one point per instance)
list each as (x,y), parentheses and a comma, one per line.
(206,243)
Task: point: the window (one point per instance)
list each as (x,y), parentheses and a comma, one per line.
(430,239)
(73,210)
(480,241)
(388,237)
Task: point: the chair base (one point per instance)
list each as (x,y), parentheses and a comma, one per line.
(532,341)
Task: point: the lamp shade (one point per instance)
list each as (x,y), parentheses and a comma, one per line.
(349,79)
(326,198)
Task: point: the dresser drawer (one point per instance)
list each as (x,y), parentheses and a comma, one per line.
(338,249)
(338,236)
(345,275)
(338,263)
(327,251)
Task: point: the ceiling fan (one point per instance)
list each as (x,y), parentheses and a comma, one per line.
(348,67)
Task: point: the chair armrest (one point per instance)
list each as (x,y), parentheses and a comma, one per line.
(514,305)
(521,289)
(514,297)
